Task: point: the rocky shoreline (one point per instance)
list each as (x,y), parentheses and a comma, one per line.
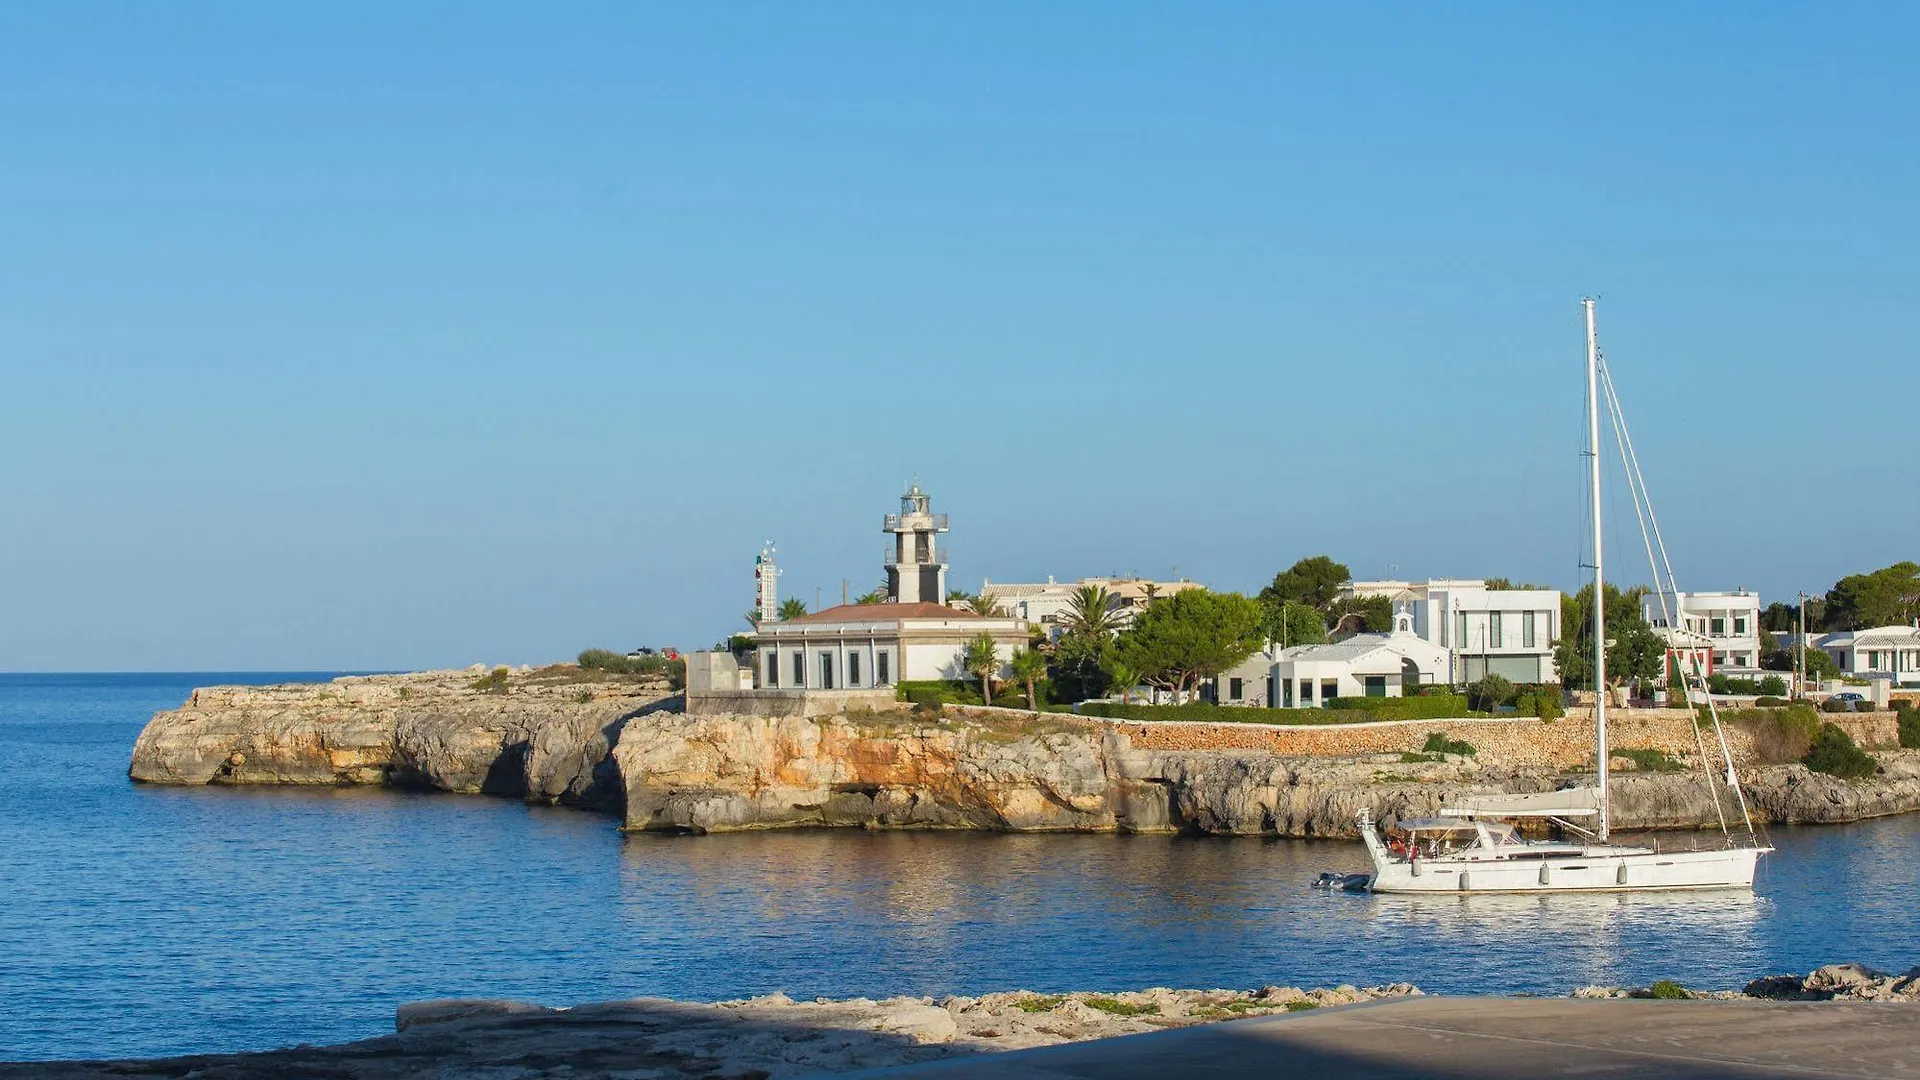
(775,1037)
(568,737)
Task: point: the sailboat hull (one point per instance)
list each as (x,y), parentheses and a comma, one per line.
(1731,868)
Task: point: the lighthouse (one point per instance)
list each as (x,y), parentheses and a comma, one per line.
(916,561)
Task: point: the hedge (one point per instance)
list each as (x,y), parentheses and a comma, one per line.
(1910,727)
(1428,707)
(1233,714)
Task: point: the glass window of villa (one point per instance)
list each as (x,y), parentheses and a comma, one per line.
(880,668)
(1306,691)
(826,671)
(853,669)
(773,669)
(1376,686)
(1493,630)
(799,669)
(1719,628)
(1527,629)
(1329,689)
(1740,627)
(1460,630)
(1234,689)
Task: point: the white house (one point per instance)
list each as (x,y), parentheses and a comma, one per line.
(858,646)
(1364,665)
(1884,651)
(1730,621)
(1507,632)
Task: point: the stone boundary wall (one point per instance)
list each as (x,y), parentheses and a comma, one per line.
(1517,742)
(785,702)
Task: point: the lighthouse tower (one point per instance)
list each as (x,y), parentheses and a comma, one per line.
(766,584)
(916,561)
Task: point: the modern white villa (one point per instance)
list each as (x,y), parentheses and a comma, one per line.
(1887,652)
(1482,631)
(1724,626)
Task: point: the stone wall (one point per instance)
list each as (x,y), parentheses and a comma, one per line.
(1518,742)
(785,702)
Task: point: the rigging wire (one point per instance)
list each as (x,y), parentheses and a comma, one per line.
(1652,540)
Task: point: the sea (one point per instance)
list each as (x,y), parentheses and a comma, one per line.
(138,920)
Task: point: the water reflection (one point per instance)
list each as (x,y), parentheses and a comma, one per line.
(142,921)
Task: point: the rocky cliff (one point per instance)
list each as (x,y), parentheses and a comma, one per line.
(556,736)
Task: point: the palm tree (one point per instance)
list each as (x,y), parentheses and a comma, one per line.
(983,603)
(1029,667)
(1120,676)
(792,608)
(1090,610)
(982,658)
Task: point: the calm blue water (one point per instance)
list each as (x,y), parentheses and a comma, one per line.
(139,921)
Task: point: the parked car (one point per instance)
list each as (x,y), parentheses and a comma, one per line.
(1848,695)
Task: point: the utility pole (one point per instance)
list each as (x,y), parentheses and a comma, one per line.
(1801,670)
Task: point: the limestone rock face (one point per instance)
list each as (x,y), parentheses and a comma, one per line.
(619,748)
(550,741)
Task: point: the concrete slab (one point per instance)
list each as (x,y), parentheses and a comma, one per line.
(1492,1038)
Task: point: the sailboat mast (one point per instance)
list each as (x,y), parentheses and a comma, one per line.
(1599,577)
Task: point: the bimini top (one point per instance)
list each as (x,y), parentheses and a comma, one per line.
(1568,802)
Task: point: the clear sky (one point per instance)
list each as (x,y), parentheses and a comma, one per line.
(375,335)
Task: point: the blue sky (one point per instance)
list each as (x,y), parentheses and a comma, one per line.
(338,337)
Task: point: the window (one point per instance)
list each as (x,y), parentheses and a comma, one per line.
(1527,632)
(773,669)
(1443,631)
(1460,630)
(1719,628)
(1494,639)
(1740,626)
(1376,686)
(1306,692)
(853,669)
(1286,693)
(881,676)
(1236,690)
(1329,689)
(799,670)
(826,671)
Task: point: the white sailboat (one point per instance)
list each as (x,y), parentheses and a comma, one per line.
(1473,848)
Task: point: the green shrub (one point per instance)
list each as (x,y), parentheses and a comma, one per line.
(1545,703)
(1835,705)
(1490,692)
(1648,760)
(1668,990)
(1408,757)
(1773,686)
(1770,702)
(1121,1008)
(1833,752)
(1039,1004)
(1302,1006)
(1424,707)
(1438,743)
(493,682)
(614,663)
(1910,727)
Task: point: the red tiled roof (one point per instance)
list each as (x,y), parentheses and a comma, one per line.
(870,612)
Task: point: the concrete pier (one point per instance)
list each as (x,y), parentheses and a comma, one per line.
(1490,1039)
